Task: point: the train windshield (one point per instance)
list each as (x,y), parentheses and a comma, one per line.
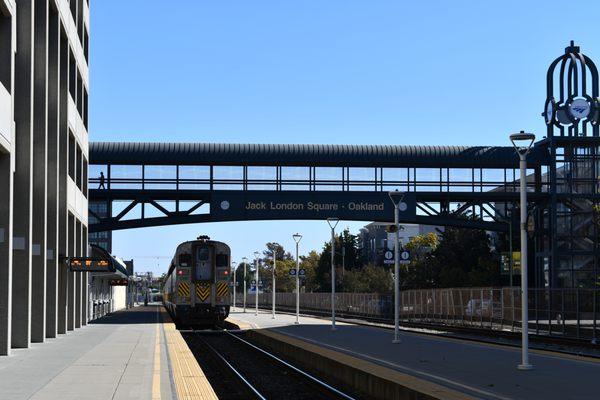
(204,263)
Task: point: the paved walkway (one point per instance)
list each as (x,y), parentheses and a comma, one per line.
(116,357)
(481,370)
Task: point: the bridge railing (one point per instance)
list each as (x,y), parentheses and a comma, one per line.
(442,185)
(570,313)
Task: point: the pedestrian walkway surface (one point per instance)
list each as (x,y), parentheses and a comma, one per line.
(480,370)
(121,356)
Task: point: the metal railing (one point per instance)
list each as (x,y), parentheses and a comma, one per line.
(569,313)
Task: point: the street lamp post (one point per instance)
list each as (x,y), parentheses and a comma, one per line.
(274,266)
(297,237)
(396,198)
(522,142)
(233,264)
(245,260)
(256,275)
(332,224)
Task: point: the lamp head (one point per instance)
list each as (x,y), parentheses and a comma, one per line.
(256,254)
(297,237)
(396,196)
(522,141)
(333,222)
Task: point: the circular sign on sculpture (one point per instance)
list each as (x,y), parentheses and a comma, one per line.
(549,111)
(579,108)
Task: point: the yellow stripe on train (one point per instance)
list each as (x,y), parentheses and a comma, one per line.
(202,291)
(222,289)
(183,289)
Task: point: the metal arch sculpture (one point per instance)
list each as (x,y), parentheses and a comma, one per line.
(572,103)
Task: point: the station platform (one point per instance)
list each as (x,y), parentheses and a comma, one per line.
(439,367)
(133,354)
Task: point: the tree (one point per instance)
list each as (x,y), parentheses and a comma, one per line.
(346,254)
(369,279)
(284,281)
(310,264)
(274,247)
(464,258)
(421,272)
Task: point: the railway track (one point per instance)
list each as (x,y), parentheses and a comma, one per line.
(238,369)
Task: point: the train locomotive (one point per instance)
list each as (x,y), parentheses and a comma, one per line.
(196,291)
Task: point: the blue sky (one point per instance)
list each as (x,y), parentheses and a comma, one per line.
(335,71)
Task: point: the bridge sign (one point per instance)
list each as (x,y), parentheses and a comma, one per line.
(263,205)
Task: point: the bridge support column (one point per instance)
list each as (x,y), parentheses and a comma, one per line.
(40,158)
(21,268)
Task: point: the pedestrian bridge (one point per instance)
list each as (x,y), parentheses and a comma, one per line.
(153,184)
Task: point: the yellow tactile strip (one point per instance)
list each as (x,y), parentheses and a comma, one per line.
(429,389)
(190,381)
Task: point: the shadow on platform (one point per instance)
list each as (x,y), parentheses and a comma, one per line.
(137,315)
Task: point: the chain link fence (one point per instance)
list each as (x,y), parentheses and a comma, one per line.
(570,313)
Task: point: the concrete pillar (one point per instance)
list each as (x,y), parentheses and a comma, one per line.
(40,158)
(6,194)
(63,219)
(84,280)
(21,273)
(71,275)
(78,275)
(52,176)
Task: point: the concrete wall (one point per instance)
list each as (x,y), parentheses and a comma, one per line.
(103,298)
(119,297)
(44,86)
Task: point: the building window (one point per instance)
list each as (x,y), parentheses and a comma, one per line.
(5,51)
(84,178)
(72,76)
(79,167)
(72,156)
(79,94)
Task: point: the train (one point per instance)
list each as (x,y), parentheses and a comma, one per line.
(196,291)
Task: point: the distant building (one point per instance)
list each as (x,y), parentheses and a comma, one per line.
(374,238)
